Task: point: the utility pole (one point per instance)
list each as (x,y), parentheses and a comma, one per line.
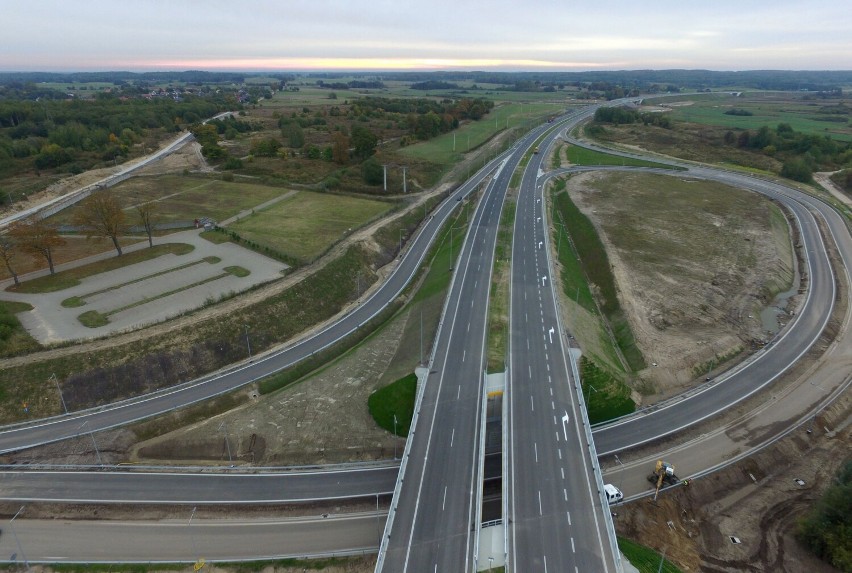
(404,182)
(385,187)
(248,343)
(621,474)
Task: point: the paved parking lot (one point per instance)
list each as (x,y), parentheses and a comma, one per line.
(147,292)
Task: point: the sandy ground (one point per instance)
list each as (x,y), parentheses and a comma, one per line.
(322,420)
(686,310)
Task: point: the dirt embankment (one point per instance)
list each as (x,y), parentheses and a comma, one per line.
(756,501)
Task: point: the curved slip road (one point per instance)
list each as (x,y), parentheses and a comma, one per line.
(841,236)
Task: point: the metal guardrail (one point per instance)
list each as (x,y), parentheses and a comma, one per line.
(483,411)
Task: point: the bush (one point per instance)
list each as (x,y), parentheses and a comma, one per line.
(372,172)
(797,170)
(827,530)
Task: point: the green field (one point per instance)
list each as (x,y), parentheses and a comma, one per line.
(582,156)
(807,116)
(306,224)
(471,135)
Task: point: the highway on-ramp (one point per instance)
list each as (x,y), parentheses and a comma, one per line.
(623,437)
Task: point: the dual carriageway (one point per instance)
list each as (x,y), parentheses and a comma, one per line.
(552,502)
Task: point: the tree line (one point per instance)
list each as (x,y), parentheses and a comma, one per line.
(801,154)
(623,115)
(75,135)
(98,215)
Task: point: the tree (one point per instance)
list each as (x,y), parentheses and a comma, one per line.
(7,254)
(100,214)
(340,148)
(363,141)
(36,237)
(147,212)
(372,172)
(796,169)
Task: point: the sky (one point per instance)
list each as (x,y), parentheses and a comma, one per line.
(375,35)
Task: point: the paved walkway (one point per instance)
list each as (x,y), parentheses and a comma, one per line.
(149,292)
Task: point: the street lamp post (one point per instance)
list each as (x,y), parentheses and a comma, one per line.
(589,395)
(18,541)
(94,443)
(191,536)
(621,475)
(248,343)
(227,443)
(394,436)
(58,389)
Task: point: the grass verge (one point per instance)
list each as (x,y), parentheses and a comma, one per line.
(93,319)
(392,407)
(13,338)
(72,277)
(607,397)
(595,265)
(582,156)
(237,271)
(74,302)
(498,304)
(645,559)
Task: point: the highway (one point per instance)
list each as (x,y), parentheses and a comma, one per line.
(196,488)
(610,439)
(435,510)
(555,517)
(187,539)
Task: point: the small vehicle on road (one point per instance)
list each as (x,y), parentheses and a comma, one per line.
(613,494)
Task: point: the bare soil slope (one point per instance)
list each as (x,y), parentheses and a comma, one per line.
(694,263)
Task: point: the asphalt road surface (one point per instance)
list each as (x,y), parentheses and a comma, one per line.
(188,539)
(436,507)
(196,488)
(555,518)
(618,436)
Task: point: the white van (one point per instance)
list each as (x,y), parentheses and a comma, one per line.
(613,494)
